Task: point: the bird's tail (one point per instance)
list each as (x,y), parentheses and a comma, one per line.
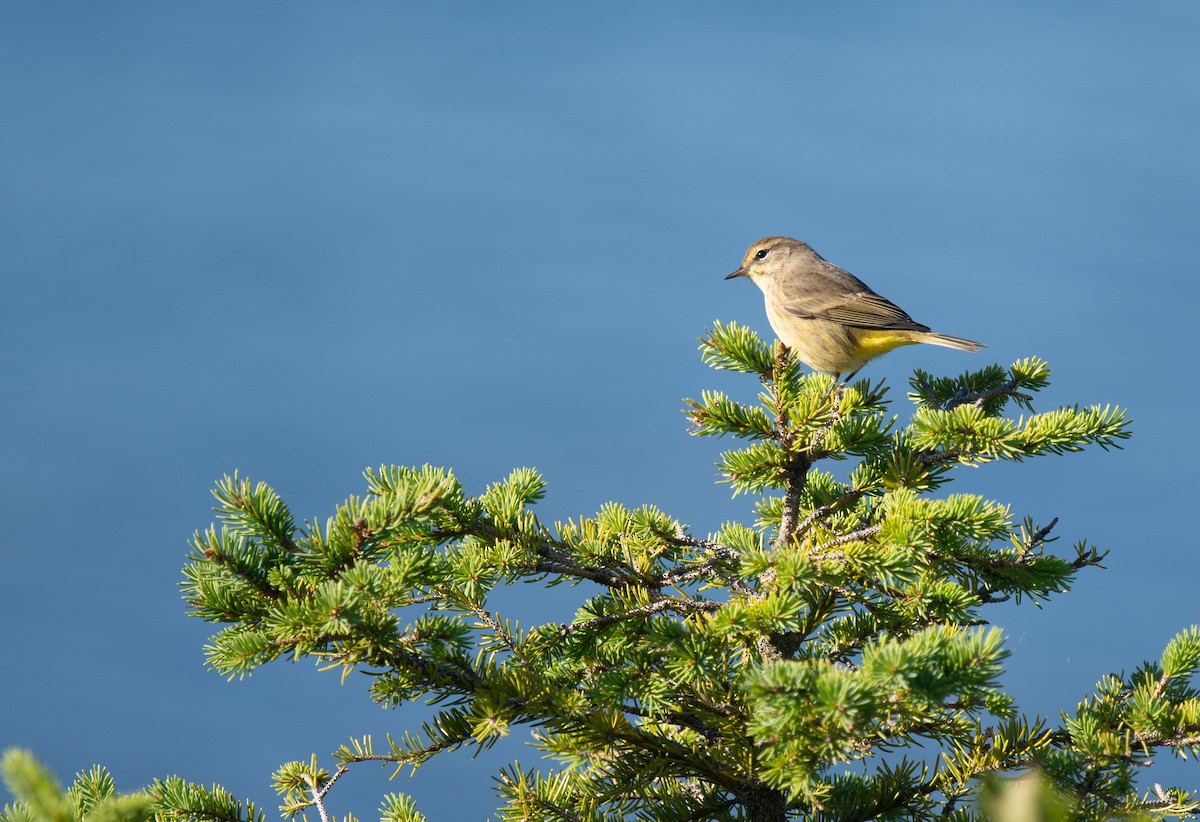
(934,338)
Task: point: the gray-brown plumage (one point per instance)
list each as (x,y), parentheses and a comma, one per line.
(832,320)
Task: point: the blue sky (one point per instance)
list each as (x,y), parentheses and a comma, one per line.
(299,240)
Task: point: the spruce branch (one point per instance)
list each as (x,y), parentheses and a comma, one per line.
(318,794)
(795,473)
(732,675)
(1036,539)
(978,398)
(501,633)
(659,606)
(844,501)
(823,551)
(720,557)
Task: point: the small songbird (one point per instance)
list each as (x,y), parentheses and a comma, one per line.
(829,318)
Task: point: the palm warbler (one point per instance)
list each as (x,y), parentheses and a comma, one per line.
(830,319)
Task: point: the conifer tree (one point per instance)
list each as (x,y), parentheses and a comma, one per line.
(785,668)
(92,797)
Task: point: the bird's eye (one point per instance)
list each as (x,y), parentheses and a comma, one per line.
(760,254)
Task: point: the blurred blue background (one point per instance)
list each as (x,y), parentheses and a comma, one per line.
(298,240)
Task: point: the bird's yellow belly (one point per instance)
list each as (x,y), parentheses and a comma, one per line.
(834,348)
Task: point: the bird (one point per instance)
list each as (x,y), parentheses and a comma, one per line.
(831,320)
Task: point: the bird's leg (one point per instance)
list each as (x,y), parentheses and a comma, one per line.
(839,385)
(835,394)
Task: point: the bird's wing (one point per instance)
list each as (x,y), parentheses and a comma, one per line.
(863,309)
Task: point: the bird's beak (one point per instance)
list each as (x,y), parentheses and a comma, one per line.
(741,272)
